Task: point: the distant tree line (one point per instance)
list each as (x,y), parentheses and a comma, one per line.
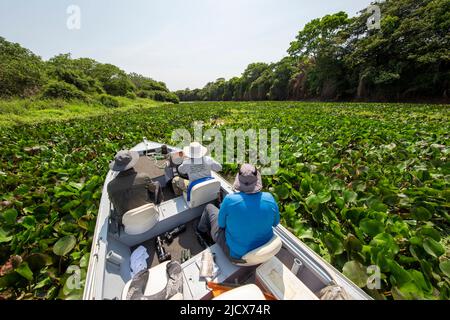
(341,58)
(24,74)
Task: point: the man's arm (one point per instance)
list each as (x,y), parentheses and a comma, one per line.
(222,220)
(215,166)
(277,214)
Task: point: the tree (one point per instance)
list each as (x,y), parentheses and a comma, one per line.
(114,81)
(337,57)
(283,72)
(22,73)
(75,72)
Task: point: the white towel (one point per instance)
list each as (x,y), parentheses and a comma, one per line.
(138,260)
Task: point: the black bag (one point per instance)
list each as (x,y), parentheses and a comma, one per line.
(156,192)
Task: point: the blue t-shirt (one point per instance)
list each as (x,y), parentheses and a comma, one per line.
(248,220)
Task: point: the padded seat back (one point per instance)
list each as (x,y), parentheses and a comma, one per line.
(203,193)
(247,292)
(157,281)
(263,253)
(141,219)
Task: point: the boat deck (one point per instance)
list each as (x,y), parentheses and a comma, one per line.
(185,241)
(107,277)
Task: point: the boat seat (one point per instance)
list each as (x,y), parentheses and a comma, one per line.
(158,278)
(247,292)
(140,220)
(261,254)
(202,193)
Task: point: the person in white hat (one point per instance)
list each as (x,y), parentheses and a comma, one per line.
(197,165)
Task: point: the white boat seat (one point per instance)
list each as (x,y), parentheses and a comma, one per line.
(157,281)
(262,254)
(140,220)
(247,292)
(202,193)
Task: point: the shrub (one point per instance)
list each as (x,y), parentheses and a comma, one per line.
(63,90)
(78,79)
(159,95)
(143,94)
(114,81)
(21,72)
(165,96)
(131,95)
(109,101)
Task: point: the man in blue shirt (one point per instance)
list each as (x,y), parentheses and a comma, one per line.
(245,219)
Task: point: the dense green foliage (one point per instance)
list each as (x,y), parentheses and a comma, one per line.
(337,57)
(62,90)
(31,111)
(361,184)
(23,74)
(109,101)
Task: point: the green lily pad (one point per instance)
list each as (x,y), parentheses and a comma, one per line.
(350,196)
(25,271)
(353,243)
(407,291)
(64,245)
(84,261)
(324,196)
(445,267)
(43,283)
(29,222)
(10,216)
(420,281)
(4,236)
(433,248)
(399,274)
(356,272)
(421,213)
(333,244)
(386,242)
(430,232)
(377,205)
(312,201)
(36,261)
(282,191)
(371,227)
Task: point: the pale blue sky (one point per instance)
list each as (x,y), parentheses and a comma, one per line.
(185,43)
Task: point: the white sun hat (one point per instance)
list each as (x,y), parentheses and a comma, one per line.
(195,150)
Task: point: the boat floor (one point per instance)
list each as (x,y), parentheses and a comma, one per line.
(188,241)
(185,241)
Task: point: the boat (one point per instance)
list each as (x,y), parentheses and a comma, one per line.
(294,271)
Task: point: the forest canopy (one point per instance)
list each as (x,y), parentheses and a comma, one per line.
(23,74)
(338,58)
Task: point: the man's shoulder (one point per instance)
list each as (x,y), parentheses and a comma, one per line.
(268,197)
(233,198)
(209,160)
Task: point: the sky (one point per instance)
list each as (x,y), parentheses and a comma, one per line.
(185,43)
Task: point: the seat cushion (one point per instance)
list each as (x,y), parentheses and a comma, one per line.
(203,193)
(247,292)
(157,281)
(263,253)
(141,219)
